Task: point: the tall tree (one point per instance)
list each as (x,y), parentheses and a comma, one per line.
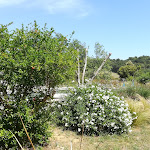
(99,50)
(128,70)
(81,50)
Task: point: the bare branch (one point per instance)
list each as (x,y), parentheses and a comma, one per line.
(95,74)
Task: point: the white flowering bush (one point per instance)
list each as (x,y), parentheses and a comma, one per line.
(94,109)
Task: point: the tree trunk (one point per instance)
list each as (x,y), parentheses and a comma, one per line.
(83,75)
(78,68)
(95,74)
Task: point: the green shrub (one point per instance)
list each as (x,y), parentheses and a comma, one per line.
(143,91)
(33,61)
(35,117)
(96,110)
(144,78)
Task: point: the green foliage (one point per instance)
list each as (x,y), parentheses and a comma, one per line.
(76,44)
(35,120)
(144,91)
(132,91)
(144,78)
(99,51)
(128,91)
(95,109)
(116,64)
(92,66)
(33,61)
(128,70)
(143,61)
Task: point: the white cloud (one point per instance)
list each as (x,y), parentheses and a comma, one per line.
(10,2)
(79,8)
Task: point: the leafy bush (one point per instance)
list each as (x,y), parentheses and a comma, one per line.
(95,109)
(144,78)
(128,70)
(35,120)
(32,62)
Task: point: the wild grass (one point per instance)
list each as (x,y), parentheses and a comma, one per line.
(144,90)
(131,91)
(138,139)
(142,109)
(114,76)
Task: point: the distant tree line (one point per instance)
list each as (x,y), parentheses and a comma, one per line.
(132,68)
(143,61)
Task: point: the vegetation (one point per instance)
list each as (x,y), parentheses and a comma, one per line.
(144,77)
(128,70)
(143,61)
(138,139)
(94,110)
(33,61)
(132,91)
(142,110)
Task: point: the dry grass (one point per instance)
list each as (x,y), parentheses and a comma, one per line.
(115,76)
(138,139)
(142,108)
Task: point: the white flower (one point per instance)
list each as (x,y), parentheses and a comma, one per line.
(122,97)
(83,122)
(59,106)
(93,101)
(92,119)
(87,120)
(62,113)
(79,129)
(2,107)
(66,124)
(95,128)
(98,97)
(112,124)
(86,113)
(91,123)
(120,109)
(79,98)
(105,97)
(111,99)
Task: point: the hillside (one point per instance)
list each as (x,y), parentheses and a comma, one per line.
(143,61)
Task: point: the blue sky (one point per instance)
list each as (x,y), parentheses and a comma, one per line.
(121,26)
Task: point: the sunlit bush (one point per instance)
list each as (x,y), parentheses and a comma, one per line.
(95,110)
